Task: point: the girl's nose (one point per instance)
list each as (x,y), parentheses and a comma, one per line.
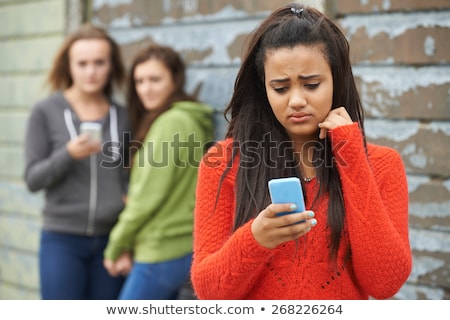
(297,98)
(145,86)
(91,68)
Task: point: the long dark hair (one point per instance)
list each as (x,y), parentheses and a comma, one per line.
(253,123)
(141,119)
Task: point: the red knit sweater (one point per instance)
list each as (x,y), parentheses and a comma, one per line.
(230,265)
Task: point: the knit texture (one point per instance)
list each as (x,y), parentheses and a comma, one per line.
(230,265)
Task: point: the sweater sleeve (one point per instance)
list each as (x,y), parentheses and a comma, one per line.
(376,203)
(44,166)
(151,181)
(225,265)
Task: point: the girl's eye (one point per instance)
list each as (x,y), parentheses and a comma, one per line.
(280,90)
(100,62)
(312,86)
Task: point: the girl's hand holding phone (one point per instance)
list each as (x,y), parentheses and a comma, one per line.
(285,219)
(271,229)
(82,147)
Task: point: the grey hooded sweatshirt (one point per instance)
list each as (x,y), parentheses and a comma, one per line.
(82,197)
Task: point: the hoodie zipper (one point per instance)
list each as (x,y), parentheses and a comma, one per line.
(92,194)
(93,168)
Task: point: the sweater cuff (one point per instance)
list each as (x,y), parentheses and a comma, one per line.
(347,144)
(62,159)
(252,251)
(112,252)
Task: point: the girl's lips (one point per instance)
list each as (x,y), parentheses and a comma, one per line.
(299,116)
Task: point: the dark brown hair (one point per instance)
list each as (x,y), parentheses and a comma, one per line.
(59,77)
(252,120)
(141,119)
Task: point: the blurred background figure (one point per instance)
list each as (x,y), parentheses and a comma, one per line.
(82,174)
(170,133)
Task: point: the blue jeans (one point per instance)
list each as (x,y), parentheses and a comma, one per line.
(71,268)
(157,281)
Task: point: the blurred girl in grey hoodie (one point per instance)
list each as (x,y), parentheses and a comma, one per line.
(82,177)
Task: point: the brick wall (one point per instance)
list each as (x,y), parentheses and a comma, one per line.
(400,52)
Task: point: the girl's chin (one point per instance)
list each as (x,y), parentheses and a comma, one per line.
(152,107)
(92,89)
(304,135)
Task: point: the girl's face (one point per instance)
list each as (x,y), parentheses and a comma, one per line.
(90,65)
(299,87)
(154,84)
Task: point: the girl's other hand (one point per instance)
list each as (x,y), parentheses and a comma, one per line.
(336,118)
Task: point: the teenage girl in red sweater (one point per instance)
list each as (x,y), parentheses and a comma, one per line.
(296,111)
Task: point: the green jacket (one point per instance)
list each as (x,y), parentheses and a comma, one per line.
(156,224)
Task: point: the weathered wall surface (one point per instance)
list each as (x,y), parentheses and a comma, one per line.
(208,34)
(400,52)
(30,33)
(401,58)
(26,43)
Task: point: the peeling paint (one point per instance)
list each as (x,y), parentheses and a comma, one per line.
(423,266)
(446,184)
(429,241)
(392,130)
(386,5)
(430,209)
(418,160)
(397,81)
(97,4)
(414,292)
(228,12)
(375,101)
(186,5)
(395,24)
(408,149)
(216,86)
(218,36)
(429,46)
(443,127)
(414,182)
(122,22)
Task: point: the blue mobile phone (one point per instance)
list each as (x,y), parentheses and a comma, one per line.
(287,190)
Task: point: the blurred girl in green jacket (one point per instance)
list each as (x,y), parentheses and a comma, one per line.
(152,241)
